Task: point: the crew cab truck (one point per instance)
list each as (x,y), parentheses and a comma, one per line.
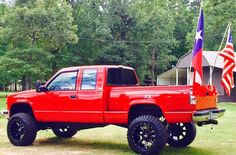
(84,97)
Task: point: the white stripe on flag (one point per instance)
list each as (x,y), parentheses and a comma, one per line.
(226,84)
(198,78)
(226,69)
(228,55)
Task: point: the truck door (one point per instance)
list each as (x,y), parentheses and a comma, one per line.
(59,102)
(90,96)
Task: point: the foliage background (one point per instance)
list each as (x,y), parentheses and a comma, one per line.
(38,37)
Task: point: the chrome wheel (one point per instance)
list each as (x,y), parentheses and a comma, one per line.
(147,135)
(17,129)
(181,134)
(64,132)
(178,131)
(144,136)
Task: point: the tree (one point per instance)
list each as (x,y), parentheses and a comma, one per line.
(156,26)
(183,13)
(217,15)
(36,35)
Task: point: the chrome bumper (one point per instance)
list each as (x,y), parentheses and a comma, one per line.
(5,113)
(207,115)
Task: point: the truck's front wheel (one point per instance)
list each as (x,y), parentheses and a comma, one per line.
(146,135)
(21,129)
(64,132)
(181,134)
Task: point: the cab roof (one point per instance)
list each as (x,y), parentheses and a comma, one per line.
(94,66)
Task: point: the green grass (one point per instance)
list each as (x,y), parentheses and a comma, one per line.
(111,140)
(4,94)
(2,104)
(3,100)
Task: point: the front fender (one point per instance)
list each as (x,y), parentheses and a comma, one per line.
(13,102)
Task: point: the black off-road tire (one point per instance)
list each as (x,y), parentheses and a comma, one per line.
(181,134)
(64,132)
(21,129)
(147,130)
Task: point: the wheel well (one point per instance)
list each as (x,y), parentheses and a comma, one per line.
(21,107)
(144,109)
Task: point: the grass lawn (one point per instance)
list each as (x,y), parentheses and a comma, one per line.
(4,94)
(3,100)
(2,104)
(111,140)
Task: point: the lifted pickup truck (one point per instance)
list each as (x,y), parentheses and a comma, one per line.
(84,97)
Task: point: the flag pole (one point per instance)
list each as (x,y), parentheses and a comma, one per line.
(218,52)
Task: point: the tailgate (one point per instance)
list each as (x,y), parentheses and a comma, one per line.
(206,102)
(206,98)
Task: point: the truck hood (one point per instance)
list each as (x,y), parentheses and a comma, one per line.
(23,94)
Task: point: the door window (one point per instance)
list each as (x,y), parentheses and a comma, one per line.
(64,81)
(89,79)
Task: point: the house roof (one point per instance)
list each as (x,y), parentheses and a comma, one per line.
(209,58)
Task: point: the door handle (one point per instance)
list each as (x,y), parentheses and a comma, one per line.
(73,96)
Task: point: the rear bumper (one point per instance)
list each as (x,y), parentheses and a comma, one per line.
(207,115)
(5,113)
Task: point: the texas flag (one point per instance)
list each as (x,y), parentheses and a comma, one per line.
(197,53)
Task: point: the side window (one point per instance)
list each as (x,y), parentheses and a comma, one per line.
(129,77)
(64,81)
(114,76)
(119,76)
(89,79)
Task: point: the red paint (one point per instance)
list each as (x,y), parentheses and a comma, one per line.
(106,104)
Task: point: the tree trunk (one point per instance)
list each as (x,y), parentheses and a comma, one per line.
(15,86)
(28,82)
(153,63)
(54,61)
(23,82)
(54,67)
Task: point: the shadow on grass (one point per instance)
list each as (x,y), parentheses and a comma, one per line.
(85,144)
(119,147)
(186,151)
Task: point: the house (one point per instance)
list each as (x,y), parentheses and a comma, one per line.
(182,74)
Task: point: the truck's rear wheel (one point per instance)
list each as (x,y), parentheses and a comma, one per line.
(64,132)
(147,135)
(21,129)
(181,134)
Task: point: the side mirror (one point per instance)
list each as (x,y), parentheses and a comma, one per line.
(40,87)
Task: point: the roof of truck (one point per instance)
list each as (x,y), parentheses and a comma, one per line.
(94,66)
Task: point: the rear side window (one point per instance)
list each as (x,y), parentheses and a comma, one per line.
(89,79)
(114,76)
(129,77)
(120,76)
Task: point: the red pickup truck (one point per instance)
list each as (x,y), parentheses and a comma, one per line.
(84,97)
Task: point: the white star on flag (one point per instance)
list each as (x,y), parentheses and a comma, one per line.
(198,35)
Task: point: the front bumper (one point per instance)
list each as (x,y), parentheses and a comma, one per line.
(5,113)
(207,115)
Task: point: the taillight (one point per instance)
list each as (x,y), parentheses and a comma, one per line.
(192,98)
